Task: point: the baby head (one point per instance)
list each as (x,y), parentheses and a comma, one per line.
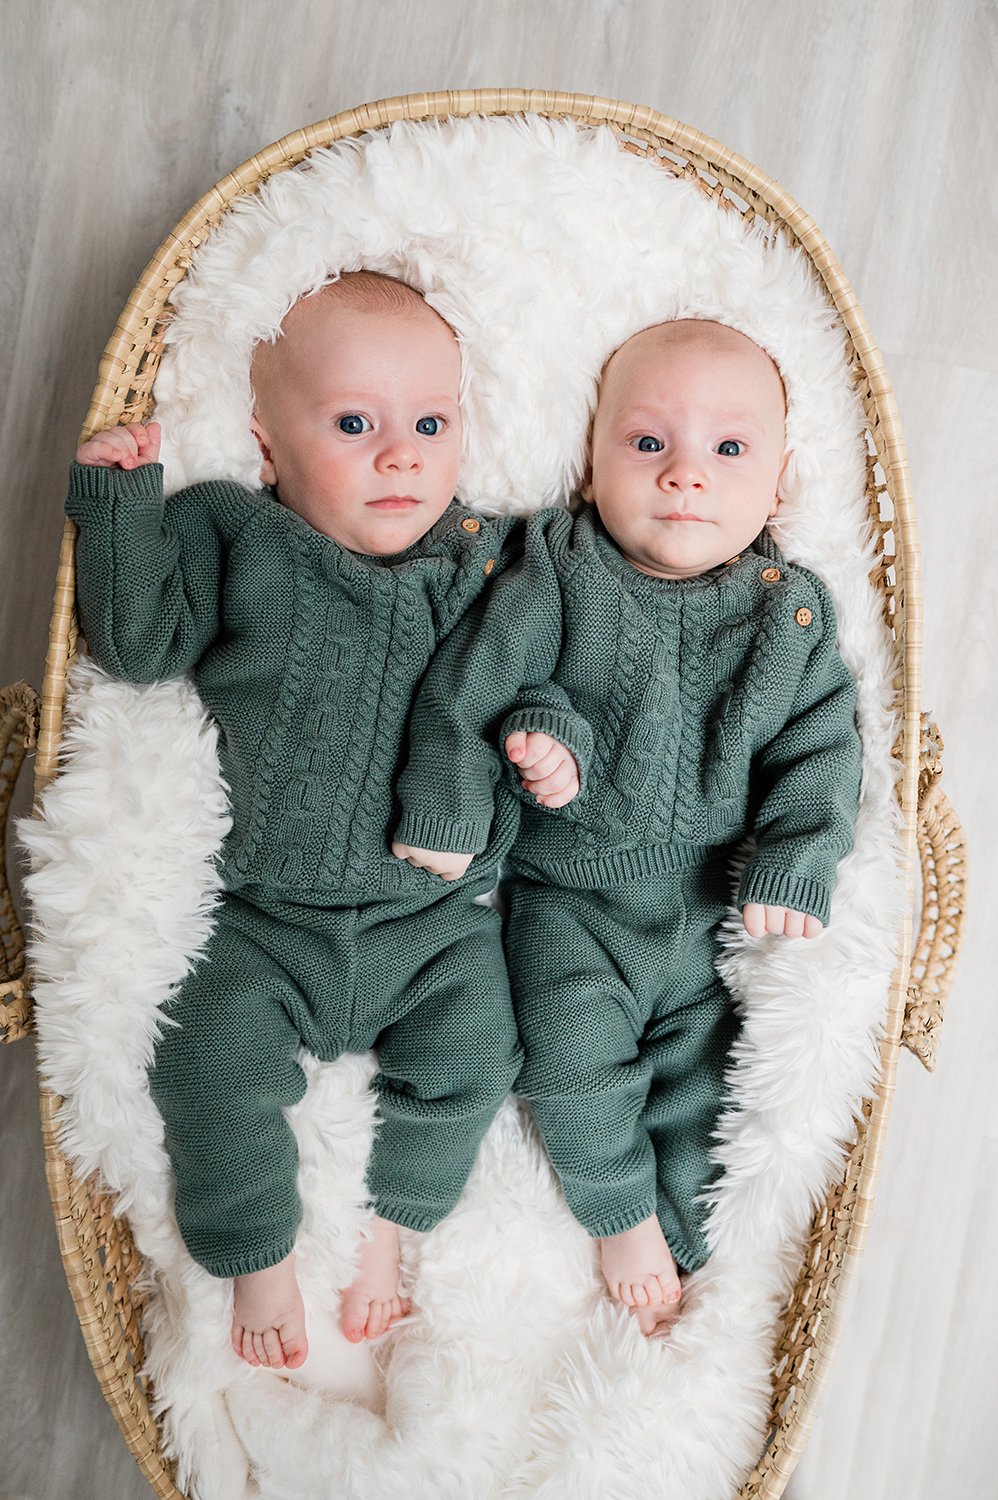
(688,446)
(356,413)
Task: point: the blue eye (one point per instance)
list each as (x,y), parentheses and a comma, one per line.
(646,444)
(429,426)
(730,448)
(353,424)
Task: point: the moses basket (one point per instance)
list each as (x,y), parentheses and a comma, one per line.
(102,1265)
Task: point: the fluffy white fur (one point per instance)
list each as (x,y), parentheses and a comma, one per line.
(544,246)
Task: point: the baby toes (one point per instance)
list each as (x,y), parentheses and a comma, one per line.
(273,1352)
(664,1293)
(244,1347)
(353,1316)
(295,1351)
(377,1319)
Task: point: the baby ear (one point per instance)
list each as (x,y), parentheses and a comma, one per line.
(781,481)
(268,472)
(586,487)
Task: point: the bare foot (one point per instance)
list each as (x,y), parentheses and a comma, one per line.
(268,1317)
(639,1268)
(655,1322)
(372,1303)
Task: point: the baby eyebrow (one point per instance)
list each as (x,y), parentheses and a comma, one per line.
(739,422)
(347,400)
(728,424)
(641,414)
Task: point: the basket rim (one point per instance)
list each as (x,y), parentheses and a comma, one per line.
(731,173)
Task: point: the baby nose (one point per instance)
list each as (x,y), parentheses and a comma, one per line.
(682,472)
(399,451)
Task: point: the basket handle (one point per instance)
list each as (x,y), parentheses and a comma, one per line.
(942,852)
(19,716)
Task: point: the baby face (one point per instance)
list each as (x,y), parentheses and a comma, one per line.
(358,422)
(688,447)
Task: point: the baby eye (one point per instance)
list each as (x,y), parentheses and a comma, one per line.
(353,423)
(646,444)
(730,448)
(429,426)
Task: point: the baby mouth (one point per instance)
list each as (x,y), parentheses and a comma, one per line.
(680,515)
(394,502)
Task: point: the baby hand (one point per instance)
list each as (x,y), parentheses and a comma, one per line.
(121,447)
(781,919)
(437,861)
(548,769)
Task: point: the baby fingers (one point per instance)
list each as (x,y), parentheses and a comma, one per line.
(557,788)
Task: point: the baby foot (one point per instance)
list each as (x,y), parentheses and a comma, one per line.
(655,1322)
(372,1303)
(639,1269)
(268,1317)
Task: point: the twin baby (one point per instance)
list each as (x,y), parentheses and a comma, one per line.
(606,702)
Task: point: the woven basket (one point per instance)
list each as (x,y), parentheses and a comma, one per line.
(98,1252)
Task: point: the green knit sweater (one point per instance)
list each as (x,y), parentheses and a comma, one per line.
(699,710)
(306,654)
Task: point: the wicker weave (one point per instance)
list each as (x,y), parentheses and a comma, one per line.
(98,1252)
(18,734)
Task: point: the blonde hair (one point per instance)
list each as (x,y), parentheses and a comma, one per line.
(374,291)
(706,332)
(368,291)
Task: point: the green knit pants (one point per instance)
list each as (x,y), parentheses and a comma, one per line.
(626,1029)
(424,983)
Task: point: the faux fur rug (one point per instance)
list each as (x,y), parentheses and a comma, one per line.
(545,246)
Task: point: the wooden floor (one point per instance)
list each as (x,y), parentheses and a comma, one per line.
(879,117)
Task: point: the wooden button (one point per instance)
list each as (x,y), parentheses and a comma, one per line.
(489,566)
(770,575)
(803,617)
(470,524)
(732,560)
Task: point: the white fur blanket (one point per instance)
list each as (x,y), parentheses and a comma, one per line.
(545,246)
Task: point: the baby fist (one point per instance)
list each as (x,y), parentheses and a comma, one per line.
(439,862)
(782,920)
(121,447)
(548,770)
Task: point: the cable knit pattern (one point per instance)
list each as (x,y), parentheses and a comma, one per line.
(307,655)
(282,861)
(629,683)
(407,640)
(718,704)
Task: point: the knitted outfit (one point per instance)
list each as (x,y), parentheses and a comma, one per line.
(308,656)
(699,710)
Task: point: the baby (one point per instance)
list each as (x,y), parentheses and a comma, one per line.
(307,614)
(667,619)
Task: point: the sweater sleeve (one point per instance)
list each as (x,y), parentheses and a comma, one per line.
(507,644)
(809,777)
(148,572)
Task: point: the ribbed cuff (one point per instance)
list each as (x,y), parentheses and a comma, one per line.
(568,729)
(406,1215)
(796,892)
(619,1223)
(444,835)
(247,1263)
(90,485)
